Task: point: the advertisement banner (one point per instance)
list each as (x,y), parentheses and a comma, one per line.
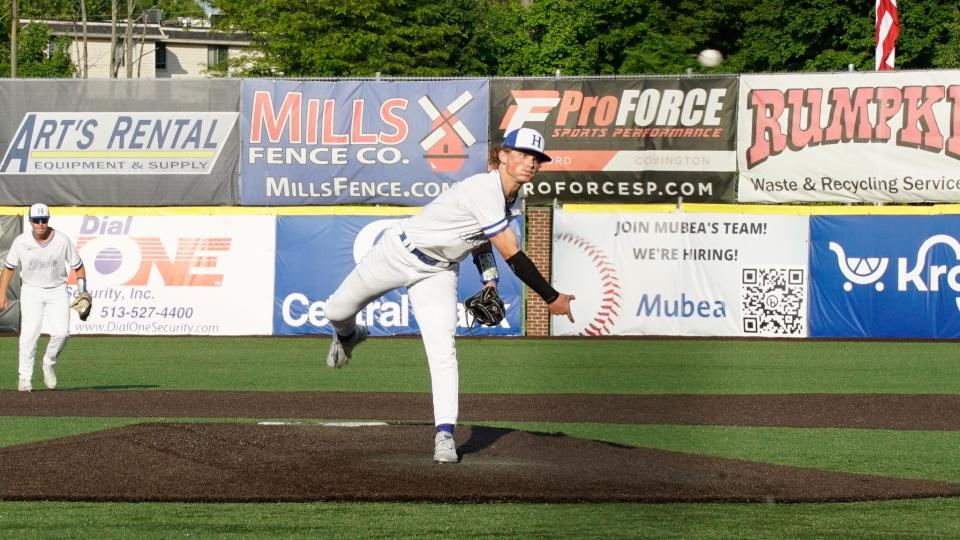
(617,140)
(174,275)
(849,137)
(315,253)
(370,142)
(885,276)
(681,274)
(133,142)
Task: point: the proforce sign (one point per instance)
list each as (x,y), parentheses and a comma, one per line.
(647,140)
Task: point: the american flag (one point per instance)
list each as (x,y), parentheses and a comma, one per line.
(888,28)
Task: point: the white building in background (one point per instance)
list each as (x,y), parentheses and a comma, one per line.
(180,47)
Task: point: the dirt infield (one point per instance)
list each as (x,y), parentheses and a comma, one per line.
(866,411)
(307,461)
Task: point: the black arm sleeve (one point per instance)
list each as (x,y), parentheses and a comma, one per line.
(524,268)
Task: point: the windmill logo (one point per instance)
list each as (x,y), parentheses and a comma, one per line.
(446,144)
(860,270)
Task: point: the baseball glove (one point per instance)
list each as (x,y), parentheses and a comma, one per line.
(486,307)
(82,305)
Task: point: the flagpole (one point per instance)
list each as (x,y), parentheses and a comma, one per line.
(885,35)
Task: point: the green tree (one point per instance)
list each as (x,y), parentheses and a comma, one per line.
(357,38)
(592,37)
(38,55)
(99,10)
(929,35)
(829,35)
(582,37)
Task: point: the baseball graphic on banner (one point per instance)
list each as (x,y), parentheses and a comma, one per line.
(598,300)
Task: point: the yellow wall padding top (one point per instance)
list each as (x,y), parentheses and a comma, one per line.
(690,208)
(218,210)
(783,209)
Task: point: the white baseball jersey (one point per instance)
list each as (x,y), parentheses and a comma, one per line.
(42,265)
(461,218)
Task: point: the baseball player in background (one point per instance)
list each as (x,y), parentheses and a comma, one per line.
(42,254)
(423,252)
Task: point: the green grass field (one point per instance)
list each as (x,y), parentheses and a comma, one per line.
(528,366)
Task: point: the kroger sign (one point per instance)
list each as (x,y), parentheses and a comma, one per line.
(885,276)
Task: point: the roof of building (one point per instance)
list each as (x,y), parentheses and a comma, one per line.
(146,32)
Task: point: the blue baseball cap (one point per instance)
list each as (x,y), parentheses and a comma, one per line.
(527,140)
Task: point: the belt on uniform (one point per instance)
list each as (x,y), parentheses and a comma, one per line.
(424,258)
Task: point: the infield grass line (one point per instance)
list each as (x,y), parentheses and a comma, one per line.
(506,365)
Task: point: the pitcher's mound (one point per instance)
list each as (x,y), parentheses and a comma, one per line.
(244,462)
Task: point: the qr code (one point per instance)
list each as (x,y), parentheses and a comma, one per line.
(774,301)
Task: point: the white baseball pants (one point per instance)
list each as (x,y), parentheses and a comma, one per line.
(433,297)
(36,306)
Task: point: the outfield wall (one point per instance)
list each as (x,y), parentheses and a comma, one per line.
(760,271)
(173,169)
(219,271)
(784,138)
(699,270)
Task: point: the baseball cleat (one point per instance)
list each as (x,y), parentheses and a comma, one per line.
(444,448)
(336,358)
(49,378)
(341,351)
(24,385)
(359,336)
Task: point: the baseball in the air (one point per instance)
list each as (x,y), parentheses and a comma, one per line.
(710,58)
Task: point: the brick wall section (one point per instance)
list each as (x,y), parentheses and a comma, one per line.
(539,242)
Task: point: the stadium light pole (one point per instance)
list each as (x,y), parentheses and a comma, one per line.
(13,39)
(128,40)
(113,38)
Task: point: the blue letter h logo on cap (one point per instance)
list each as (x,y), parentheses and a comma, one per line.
(537,141)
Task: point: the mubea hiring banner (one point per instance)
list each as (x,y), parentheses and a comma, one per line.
(885,276)
(681,274)
(371,142)
(315,253)
(175,274)
(850,137)
(617,140)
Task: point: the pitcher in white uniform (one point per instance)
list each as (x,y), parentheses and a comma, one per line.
(43,255)
(423,252)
